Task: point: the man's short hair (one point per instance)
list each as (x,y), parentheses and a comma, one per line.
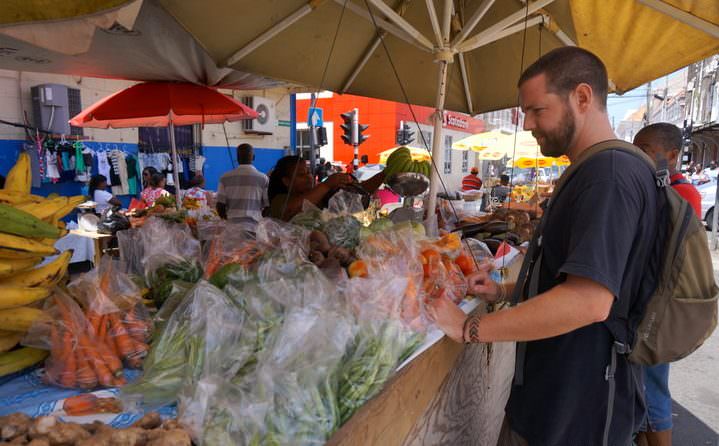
(666,136)
(566,68)
(504,178)
(245,153)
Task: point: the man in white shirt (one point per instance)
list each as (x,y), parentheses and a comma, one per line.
(242,193)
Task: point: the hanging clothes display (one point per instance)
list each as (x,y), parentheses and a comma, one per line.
(31,150)
(79,160)
(132,175)
(52,172)
(103,165)
(119,173)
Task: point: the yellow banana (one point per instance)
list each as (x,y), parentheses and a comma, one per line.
(13,297)
(19,178)
(20,359)
(46,276)
(14,266)
(9,339)
(45,209)
(15,197)
(25,244)
(9,253)
(72,203)
(20,318)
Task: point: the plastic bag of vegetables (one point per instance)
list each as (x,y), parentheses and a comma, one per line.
(199,337)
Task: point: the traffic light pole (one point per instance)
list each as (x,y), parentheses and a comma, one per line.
(313,140)
(355,139)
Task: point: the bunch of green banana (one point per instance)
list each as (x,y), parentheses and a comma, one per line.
(29,226)
(400,161)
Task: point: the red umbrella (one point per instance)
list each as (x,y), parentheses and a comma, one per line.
(163,104)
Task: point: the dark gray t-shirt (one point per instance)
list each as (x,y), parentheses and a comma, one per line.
(603,226)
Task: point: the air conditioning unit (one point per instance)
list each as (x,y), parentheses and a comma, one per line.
(53,105)
(265,123)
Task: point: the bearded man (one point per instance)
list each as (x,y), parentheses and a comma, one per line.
(573,383)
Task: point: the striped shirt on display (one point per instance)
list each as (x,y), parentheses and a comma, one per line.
(244,192)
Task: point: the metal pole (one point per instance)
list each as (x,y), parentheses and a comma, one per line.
(715,217)
(313,138)
(293,124)
(437,137)
(648,118)
(175,165)
(355,139)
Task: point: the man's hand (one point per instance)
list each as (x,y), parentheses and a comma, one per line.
(447,315)
(480,283)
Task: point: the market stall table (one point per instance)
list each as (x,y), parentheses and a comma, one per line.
(100,242)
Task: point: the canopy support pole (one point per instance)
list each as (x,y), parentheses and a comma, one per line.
(683,16)
(401,9)
(465,82)
(402,23)
(272,32)
(175,165)
(437,137)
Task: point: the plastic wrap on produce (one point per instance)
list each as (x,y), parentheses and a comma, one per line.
(107,288)
(232,246)
(80,355)
(345,203)
(200,336)
(164,239)
(132,250)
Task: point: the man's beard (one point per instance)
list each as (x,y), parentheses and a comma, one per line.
(556,142)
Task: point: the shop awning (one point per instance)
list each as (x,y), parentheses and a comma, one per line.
(218,42)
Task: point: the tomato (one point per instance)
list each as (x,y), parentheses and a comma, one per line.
(358,268)
(465,263)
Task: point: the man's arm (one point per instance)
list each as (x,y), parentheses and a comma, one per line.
(574,304)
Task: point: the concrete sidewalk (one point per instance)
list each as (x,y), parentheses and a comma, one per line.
(694,383)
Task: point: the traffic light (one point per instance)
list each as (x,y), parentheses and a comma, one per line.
(405,135)
(321,136)
(360,137)
(348,118)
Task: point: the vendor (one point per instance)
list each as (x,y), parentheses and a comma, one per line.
(147,173)
(291,184)
(155,189)
(99,194)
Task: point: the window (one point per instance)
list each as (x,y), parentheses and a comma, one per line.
(74,106)
(465,161)
(156,139)
(448,154)
(303,143)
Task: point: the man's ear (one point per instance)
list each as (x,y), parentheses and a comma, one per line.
(583,96)
(286,181)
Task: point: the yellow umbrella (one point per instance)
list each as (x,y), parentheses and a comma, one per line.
(542,161)
(417,154)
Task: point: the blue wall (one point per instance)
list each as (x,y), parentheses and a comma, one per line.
(220,159)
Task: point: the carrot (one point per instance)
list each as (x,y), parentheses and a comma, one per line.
(68,375)
(82,404)
(94,320)
(120,381)
(109,357)
(86,377)
(104,375)
(124,342)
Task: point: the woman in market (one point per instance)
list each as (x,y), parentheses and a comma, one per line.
(147,173)
(154,190)
(99,194)
(197,191)
(291,184)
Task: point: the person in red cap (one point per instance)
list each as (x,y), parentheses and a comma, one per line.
(472,181)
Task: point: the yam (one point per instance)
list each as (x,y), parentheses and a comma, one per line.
(173,437)
(66,434)
(14,425)
(151,420)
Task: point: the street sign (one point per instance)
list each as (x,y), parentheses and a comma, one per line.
(283,123)
(314,117)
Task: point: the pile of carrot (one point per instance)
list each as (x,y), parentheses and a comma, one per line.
(87,349)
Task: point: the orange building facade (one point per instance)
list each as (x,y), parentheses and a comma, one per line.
(383,118)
